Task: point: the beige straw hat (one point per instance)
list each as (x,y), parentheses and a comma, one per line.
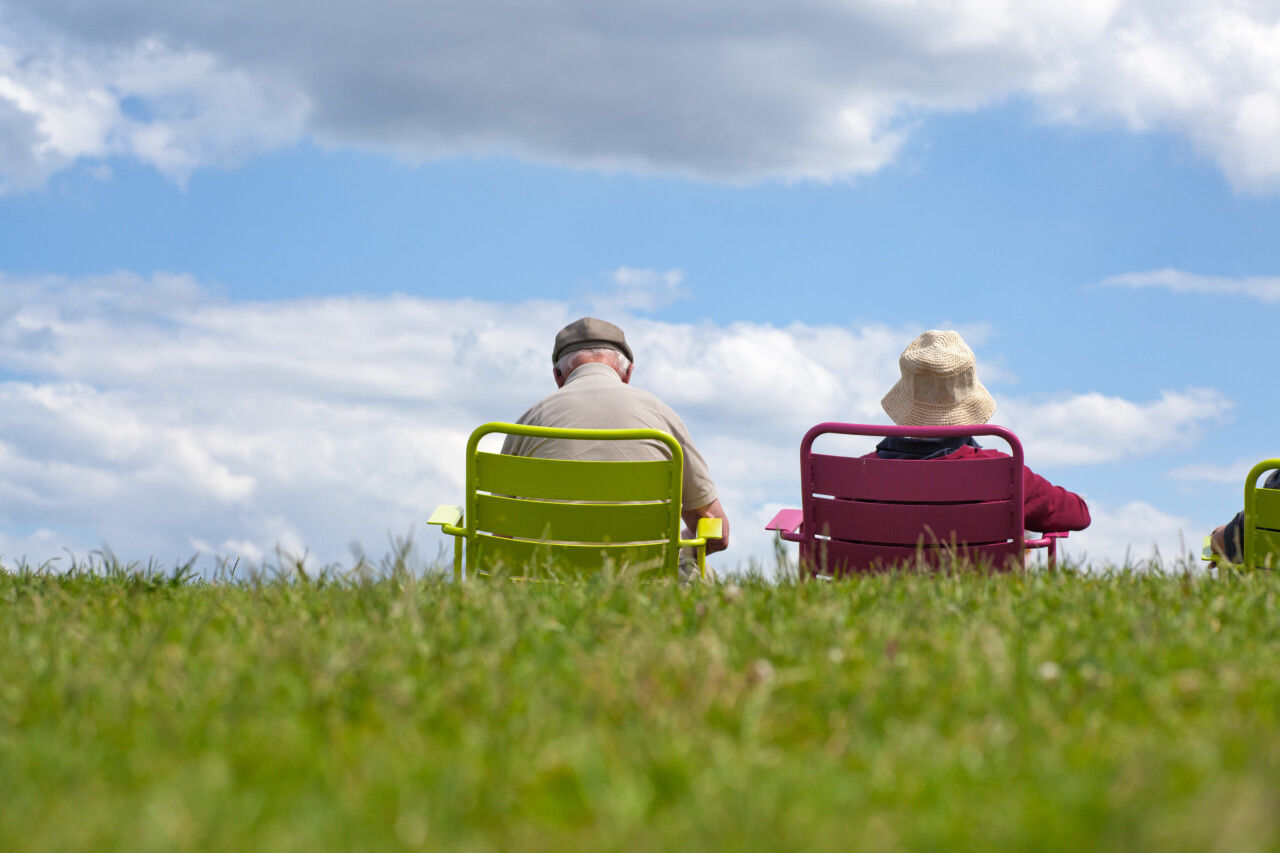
(939,384)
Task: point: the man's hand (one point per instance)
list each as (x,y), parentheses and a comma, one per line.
(711,510)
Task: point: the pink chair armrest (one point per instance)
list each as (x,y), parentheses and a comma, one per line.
(1049,542)
(1045,542)
(787,522)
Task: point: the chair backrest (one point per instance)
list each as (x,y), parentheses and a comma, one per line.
(1261,519)
(555,518)
(867,514)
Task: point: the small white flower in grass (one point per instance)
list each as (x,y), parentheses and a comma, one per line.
(1049,671)
(411,829)
(760,671)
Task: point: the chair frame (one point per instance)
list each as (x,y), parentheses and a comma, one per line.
(586,482)
(790,526)
(1261,523)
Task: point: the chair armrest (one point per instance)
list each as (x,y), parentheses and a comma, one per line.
(1213,558)
(447,517)
(1045,540)
(708,528)
(787,522)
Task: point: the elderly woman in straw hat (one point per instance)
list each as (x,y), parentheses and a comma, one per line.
(940,387)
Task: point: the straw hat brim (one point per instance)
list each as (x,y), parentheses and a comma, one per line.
(977,408)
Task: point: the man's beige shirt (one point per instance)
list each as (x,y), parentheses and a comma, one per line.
(594,397)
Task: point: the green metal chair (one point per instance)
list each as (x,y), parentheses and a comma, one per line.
(558,519)
(1261,523)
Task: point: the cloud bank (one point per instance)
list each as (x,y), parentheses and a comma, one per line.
(1262,288)
(1095,428)
(151,415)
(736,90)
(1129,534)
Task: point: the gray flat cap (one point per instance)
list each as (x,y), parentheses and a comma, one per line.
(587,333)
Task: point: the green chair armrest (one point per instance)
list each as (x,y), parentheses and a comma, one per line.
(710,528)
(447,517)
(1213,558)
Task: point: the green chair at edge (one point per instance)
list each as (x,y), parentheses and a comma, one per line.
(556,519)
(1261,523)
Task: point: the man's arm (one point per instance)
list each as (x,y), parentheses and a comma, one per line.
(1228,540)
(711,510)
(1218,540)
(1051,509)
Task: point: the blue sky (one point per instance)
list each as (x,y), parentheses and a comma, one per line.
(211,248)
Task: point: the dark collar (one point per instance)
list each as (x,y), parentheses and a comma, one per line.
(921,448)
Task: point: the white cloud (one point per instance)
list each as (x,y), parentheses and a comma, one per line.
(724,89)
(64,100)
(1232,474)
(153,416)
(1262,288)
(1090,428)
(638,290)
(1206,472)
(1133,533)
(43,546)
(1209,71)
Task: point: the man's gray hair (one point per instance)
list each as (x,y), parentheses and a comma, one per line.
(571,361)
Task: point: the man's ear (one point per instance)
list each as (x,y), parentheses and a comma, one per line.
(626,377)
(558,376)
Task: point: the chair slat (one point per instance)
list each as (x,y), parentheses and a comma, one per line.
(845,558)
(907,524)
(1267,508)
(518,558)
(913,480)
(559,479)
(1266,548)
(573,522)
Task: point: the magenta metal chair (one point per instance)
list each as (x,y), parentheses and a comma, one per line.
(869,514)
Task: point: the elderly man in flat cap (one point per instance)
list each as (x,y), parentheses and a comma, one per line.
(592,368)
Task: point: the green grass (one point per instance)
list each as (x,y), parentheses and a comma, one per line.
(1038,711)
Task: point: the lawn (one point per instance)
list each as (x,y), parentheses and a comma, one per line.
(1047,711)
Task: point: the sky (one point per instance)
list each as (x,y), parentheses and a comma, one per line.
(264,266)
